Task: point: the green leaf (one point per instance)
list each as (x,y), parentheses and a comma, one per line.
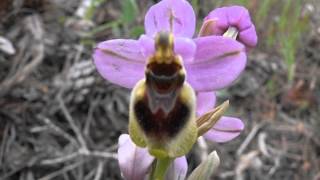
(92,8)
(206,168)
(129,11)
(136,31)
(263,10)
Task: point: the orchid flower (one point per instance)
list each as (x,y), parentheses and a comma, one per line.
(212,62)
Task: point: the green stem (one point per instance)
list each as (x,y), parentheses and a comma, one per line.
(160,170)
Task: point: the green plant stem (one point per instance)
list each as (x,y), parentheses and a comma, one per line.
(160,170)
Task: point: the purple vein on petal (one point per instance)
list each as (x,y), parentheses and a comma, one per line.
(227,54)
(227,131)
(114,54)
(177,14)
(120,61)
(218,62)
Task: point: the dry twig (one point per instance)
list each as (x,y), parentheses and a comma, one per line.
(249,138)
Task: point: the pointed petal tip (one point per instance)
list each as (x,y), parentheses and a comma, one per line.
(134,162)
(206,168)
(226,129)
(123,138)
(215,156)
(178,169)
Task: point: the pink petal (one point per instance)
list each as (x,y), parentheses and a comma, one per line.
(185,47)
(134,162)
(249,37)
(239,17)
(178,169)
(236,16)
(124,47)
(147,44)
(218,62)
(159,15)
(226,129)
(120,61)
(222,21)
(205,102)
(207,28)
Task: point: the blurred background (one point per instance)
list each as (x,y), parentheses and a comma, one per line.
(60,120)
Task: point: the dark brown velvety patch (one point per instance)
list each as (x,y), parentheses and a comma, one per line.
(164,69)
(164,78)
(159,124)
